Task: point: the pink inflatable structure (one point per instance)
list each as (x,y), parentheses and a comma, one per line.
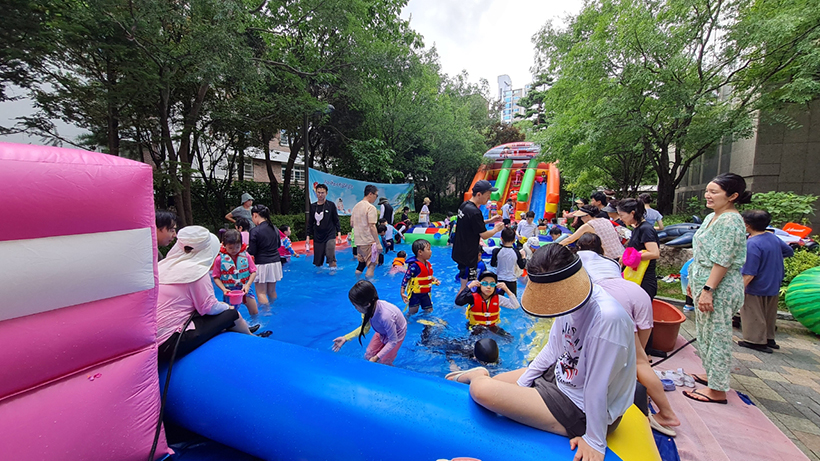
(77,306)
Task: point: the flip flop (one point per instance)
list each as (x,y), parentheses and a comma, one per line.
(700,380)
(457,374)
(661,428)
(689,395)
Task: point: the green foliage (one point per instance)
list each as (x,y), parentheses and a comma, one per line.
(784,206)
(372,161)
(641,85)
(798,263)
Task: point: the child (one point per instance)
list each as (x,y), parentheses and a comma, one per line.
(399,261)
(388,242)
(554,234)
(386,319)
(244,227)
(483,301)
(506,258)
(415,287)
(528,228)
(286,250)
(234,269)
(382,230)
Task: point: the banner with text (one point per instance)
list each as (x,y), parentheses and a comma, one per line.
(345,193)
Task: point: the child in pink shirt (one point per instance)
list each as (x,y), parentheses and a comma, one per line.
(386,319)
(234,269)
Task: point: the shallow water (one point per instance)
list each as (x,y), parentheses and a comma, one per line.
(312,309)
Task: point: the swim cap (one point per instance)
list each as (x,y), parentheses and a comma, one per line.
(486,351)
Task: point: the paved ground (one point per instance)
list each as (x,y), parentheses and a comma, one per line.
(785,385)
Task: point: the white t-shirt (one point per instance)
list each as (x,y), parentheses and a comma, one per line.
(525,229)
(505,211)
(599,267)
(424,214)
(593,350)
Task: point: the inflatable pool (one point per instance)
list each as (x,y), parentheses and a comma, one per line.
(279,401)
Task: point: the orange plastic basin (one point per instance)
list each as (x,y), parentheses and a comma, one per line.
(667,325)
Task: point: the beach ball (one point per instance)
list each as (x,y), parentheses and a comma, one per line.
(803,299)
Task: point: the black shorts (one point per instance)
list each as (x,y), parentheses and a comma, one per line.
(562,407)
(513,286)
(205,328)
(468,273)
(421,299)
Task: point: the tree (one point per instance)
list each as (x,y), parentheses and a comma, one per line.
(656,78)
(502,133)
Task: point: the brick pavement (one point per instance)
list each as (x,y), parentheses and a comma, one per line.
(785,385)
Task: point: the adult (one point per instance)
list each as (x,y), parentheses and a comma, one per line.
(185,289)
(424,214)
(574,222)
(583,380)
(643,239)
(600,226)
(264,247)
(166,222)
(652,216)
(719,251)
(598,200)
(363,218)
(762,275)
(385,210)
(471,228)
(506,209)
(242,211)
(323,226)
(606,273)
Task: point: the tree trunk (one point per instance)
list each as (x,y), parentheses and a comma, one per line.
(295,146)
(666,192)
(276,204)
(112,113)
(192,114)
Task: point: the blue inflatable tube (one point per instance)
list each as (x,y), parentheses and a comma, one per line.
(279,401)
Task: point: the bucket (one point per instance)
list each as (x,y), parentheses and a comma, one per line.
(667,325)
(235,297)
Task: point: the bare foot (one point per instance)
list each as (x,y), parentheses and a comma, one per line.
(667,419)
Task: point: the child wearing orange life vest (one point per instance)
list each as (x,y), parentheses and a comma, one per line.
(483,303)
(418,280)
(234,269)
(399,263)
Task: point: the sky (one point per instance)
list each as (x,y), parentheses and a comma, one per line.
(487,38)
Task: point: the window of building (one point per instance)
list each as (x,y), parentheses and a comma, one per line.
(283,138)
(297,173)
(248,169)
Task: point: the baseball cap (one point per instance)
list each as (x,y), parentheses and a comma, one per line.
(483,186)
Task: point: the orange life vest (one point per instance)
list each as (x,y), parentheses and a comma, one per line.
(483,312)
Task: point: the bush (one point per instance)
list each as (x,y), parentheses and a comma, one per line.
(801,261)
(784,206)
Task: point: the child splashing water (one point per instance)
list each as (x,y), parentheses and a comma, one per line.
(418,280)
(386,319)
(233,269)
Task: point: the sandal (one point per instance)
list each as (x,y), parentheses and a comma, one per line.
(458,374)
(690,395)
(700,380)
(654,424)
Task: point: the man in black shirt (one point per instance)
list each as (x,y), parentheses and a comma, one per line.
(386,210)
(323,220)
(599,200)
(470,229)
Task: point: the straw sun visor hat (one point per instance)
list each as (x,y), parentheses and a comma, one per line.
(558,292)
(586,210)
(383,200)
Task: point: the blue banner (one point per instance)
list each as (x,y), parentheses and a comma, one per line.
(346,193)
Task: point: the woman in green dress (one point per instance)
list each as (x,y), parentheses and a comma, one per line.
(716,284)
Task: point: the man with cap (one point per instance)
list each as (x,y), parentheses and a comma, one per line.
(471,228)
(385,210)
(584,379)
(242,211)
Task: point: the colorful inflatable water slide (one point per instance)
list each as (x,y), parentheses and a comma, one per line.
(514,170)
